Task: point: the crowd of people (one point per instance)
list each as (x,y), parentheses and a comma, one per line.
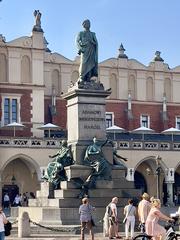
(18,200)
(147,213)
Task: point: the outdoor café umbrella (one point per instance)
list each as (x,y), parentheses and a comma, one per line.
(115,129)
(14,126)
(172,131)
(143,130)
(49,127)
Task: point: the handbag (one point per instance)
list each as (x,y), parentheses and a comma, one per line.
(125,219)
(8,228)
(92,222)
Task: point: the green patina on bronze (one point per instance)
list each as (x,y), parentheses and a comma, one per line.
(88,50)
(101,168)
(55,170)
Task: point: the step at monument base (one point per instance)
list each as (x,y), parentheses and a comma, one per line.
(61,206)
(70,203)
(62,216)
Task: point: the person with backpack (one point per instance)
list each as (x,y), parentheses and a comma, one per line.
(112,216)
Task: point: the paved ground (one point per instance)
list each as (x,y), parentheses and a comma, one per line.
(59,237)
(38,235)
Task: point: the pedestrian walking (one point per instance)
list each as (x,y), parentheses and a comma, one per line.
(3,220)
(17,201)
(6,200)
(144,207)
(113,219)
(85,211)
(129,220)
(107,215)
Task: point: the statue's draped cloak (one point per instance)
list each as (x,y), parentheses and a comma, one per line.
(88,49)
(97,161)
(55,169)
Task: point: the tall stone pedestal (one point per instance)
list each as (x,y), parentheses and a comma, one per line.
(86,119)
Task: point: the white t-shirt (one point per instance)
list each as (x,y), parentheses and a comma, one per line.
(113,207)
(6,198)
(130,210)
(17,199)
(2,216)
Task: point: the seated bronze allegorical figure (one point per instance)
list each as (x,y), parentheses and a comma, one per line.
(101,168)
(55,170)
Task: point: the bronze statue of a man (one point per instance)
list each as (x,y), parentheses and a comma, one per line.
(88,50)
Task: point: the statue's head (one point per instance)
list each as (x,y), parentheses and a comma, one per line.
(64,143)
(86,24)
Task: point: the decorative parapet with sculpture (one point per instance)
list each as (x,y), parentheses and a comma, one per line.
(37,26)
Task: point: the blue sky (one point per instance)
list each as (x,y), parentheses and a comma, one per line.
(142,26)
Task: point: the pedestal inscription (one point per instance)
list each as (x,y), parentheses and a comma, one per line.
(92,119)
(86,114)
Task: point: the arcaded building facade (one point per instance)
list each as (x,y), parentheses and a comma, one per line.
(32,82)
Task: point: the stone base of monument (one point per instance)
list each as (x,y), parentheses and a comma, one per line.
(63,208)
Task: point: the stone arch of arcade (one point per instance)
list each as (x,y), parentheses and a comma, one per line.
(145,177)
(20,172)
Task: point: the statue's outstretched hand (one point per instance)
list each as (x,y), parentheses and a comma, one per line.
(123,158)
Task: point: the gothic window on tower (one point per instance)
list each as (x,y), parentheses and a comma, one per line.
(145,121)
(178,122)
(109,119)
(10,110)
